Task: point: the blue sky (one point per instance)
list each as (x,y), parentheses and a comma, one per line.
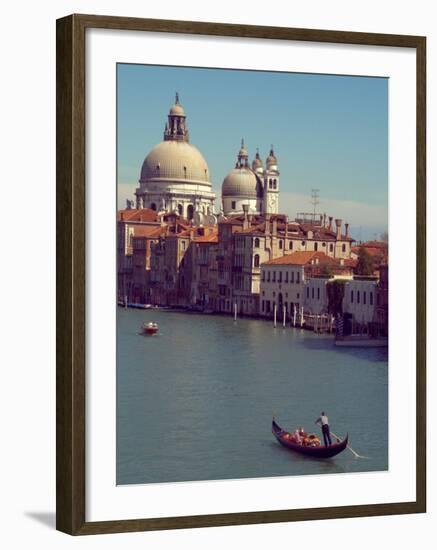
(329,132)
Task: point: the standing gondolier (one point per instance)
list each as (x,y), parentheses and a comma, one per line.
(324,422)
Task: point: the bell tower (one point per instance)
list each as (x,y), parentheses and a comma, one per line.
(271,184)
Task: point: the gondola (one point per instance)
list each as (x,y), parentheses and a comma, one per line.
(315,452)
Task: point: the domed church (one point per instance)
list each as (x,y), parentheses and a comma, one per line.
(255,186)
(175,176)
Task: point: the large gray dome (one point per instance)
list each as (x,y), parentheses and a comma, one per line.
(175,160)
(241,182)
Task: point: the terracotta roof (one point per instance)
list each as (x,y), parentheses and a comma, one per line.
(137,215)
(296,258)
(310,258)
(148,231)
(206,239)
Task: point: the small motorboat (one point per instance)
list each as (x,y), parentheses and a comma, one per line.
(317,451)
(150,328)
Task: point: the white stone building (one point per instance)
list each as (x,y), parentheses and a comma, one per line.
(175,176)
(360,300)
(253,186)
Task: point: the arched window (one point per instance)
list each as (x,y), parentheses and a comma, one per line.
(274,184)
(190,211)
(256,260)
(153,206)
(280,244)
(316,247)
(256,245)
(233,205)
(180,209)
(270,184)
(290,245)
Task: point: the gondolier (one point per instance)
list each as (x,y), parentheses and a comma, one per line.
(324,422)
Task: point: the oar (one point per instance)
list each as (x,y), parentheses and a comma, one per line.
(350,448)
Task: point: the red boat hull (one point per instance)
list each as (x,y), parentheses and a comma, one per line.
(316,452)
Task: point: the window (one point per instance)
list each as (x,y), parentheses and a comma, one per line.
(263,276)
(183,245)
(308,291)
(318,293)
(371,298)
(297,277)
(256,260)
(280,244)
(364,297)
(256,244)
(312,293)
(316,246)
(290,245)
(303,243)
(331,247)
(292,277)
(297,298)
(280,277)
(352,296)
(262,305)
(274,276)
(286,276)
(233,205)
(358,296)
(343,248)
(268,276)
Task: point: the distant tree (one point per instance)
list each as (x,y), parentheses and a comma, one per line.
(365,262)
(335,291)
(325,270)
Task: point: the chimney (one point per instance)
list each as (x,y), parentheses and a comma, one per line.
(267,228)
(330,223)
(338,229)
(246,218)
(346,226)
(324,220)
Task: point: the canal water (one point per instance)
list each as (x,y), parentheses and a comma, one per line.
(195,401)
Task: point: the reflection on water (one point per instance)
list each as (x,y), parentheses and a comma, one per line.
(195,401)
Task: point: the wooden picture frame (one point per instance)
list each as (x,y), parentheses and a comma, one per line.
(71,248)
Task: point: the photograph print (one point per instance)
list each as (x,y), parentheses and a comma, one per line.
(252,274)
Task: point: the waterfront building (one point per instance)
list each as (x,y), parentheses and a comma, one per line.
(130,223)
(382,299)
(180,265)
(298,280)
(254,186)
(175,176)
(360,299)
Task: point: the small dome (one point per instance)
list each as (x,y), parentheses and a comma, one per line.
(243,152)
(177,110)
(175,160)
(240,182)
(257,162)
(271,159)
